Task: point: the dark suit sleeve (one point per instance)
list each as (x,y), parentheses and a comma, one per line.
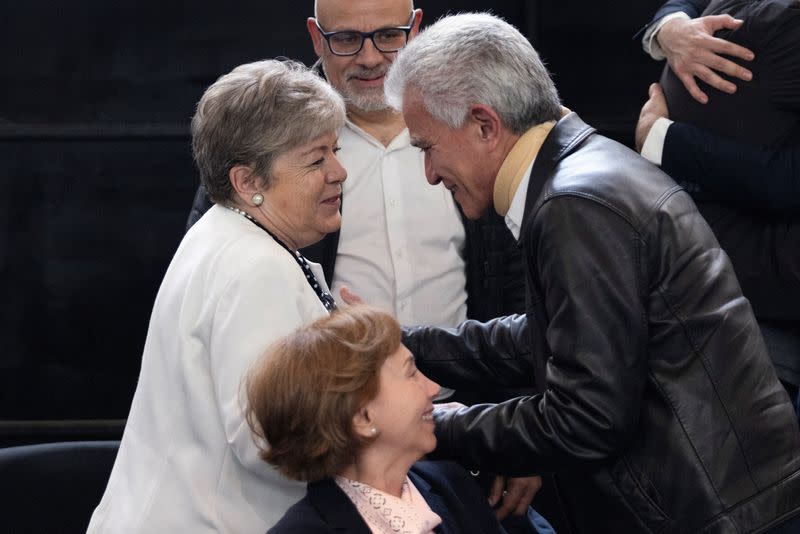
(475,355)
(200,205)
(742,175)
(597,332)
(693,8)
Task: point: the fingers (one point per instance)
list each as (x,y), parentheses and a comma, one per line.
(496,491)
(734,70)
(714,80)
(691,86)
(721,22)
(349,297)
(656,93)
(713,58)
(723,46)
(527,497)
(517,496)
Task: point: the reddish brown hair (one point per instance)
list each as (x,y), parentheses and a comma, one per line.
(304,392)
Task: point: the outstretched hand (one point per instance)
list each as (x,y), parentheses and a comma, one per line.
(693,52)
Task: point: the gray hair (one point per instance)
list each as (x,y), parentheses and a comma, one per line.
(254,114)
(475,58)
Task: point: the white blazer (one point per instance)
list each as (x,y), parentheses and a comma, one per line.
(187,462)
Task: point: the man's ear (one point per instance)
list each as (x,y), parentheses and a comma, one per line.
(415,23)
(486,122)
(245,184)
(362,423)
(316,37)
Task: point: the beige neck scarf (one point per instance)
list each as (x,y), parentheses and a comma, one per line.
(512,171)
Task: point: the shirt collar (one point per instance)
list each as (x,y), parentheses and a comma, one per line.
(516,211)
(401,140)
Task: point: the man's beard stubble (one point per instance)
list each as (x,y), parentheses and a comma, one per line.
(368,100)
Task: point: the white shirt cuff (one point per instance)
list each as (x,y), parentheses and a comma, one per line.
(649,41)
(653,148)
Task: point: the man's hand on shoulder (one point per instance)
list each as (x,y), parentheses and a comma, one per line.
(692,52)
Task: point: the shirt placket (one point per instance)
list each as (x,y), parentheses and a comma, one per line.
(396,210)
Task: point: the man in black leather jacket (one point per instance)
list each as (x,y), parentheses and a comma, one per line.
(657,409)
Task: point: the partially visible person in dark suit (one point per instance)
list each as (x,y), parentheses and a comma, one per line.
(657,407)
(688,42)
(738,154)
(343,407)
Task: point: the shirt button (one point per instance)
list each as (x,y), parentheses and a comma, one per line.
(403,305)
(393,202)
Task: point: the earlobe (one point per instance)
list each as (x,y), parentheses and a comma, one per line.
(486,120)
(363,424)
(244,183)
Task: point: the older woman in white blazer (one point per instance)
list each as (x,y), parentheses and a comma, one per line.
(264,139)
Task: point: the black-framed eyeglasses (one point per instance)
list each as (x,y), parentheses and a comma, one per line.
(350,42)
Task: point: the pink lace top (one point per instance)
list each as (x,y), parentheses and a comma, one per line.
(387,514)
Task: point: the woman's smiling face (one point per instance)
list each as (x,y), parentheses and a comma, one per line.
(304,195)
(403,409)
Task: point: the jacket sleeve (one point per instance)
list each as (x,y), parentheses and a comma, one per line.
(745,176)
(474,355)
(590,268)
(263,302)
(693,8)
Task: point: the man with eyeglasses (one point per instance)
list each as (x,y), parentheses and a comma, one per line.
(403,246)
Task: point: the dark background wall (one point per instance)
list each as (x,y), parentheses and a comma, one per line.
(95,101)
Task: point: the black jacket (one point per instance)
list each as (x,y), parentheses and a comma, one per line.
(446,487)
(760,233)
(659,410)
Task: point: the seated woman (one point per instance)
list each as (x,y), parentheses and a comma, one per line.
(344,408)
(264,138)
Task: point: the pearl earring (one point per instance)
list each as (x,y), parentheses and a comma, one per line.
(374,431)
(257,199)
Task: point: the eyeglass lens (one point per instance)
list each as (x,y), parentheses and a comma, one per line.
(388,40)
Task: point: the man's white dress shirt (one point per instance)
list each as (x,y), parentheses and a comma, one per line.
(402,240)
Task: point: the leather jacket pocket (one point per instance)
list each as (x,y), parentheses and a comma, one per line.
(639,494)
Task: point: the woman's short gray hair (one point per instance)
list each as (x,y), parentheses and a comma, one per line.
(475,58)
(255,113)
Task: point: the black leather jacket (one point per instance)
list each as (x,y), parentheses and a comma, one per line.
(659,409)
